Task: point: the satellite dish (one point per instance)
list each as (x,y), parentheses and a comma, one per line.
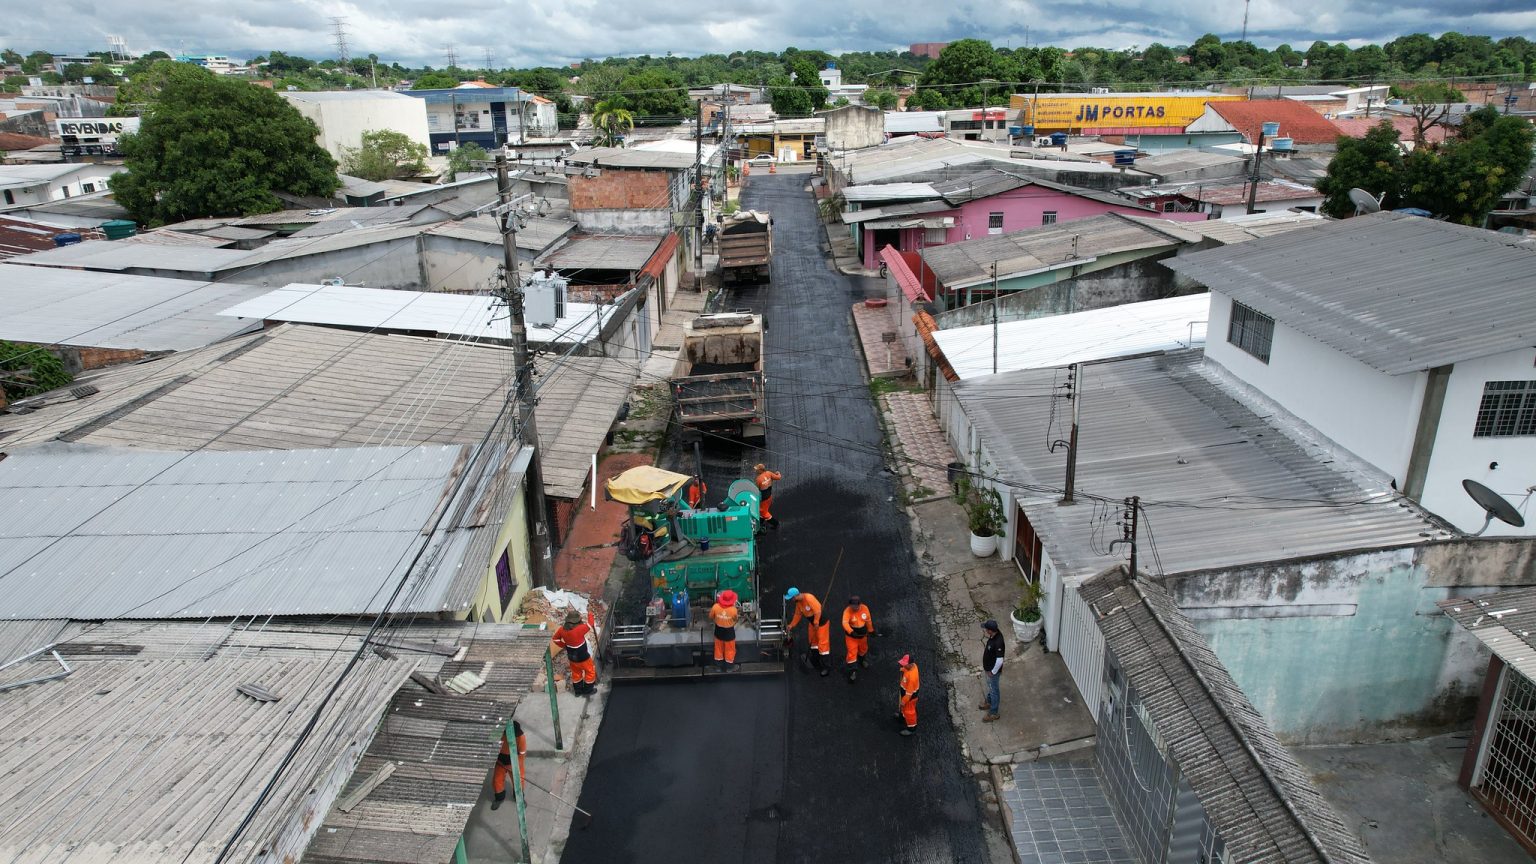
(1493,504)
(1364,201)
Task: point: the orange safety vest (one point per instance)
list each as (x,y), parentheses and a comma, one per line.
(909,681)
(765,481)
(724,616)
(857,621)
(574,641)
(806,606)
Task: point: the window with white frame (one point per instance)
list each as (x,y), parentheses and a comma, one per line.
(994,223)
(1508,410)
(1048,217)
(1251,330)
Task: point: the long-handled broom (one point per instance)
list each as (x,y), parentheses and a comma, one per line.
(580,823)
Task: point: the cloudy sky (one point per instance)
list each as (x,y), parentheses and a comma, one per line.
(555,32)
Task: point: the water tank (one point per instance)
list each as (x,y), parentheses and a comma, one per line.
(1023,131)
(68,238)
(119,229)
(1058,139)
(1282,145)
(1271,130)
(1125,157)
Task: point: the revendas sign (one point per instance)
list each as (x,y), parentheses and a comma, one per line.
(96,127)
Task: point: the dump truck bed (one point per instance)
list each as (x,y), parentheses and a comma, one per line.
(718,383)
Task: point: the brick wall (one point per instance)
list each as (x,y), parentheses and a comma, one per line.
(96,358)
(621,190)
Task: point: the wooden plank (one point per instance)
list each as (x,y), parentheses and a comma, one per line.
(356,796)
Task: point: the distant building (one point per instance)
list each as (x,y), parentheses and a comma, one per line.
(37,184)
(344,115)
(931,50)
(478,113)
(218,64)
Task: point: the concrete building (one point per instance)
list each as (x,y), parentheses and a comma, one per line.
(22,185)
(478,113)
(344,115)
(853,127)
(989,200)
(975,124)
(784,140)
(218,64)
(1112,113)
(1424,343)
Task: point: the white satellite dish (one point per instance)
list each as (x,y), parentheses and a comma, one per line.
(1364,201)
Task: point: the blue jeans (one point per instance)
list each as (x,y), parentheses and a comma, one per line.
(994,696)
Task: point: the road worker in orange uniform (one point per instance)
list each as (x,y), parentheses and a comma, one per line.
(696,492)
(858,624)
(504,763)
(724,615)
(765,480)
(573,638)
(908,700)
(818,630)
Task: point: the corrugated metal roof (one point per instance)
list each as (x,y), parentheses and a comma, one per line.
(1079,337)
(1262,803)
(1237,193)
(1399,293)
(108,310)
(625,157)
(141,760)
(910,208)
(162,237)
(979,184)
(115,256)
(605,252)
(535,235)
(1162,428)
(1033,250)
(296,387)
(235,232)
(890,192)
(414,311)
(1505,622)
(210,533)
(1238,228)
(1180,161)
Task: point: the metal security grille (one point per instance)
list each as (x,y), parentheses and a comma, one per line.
(1251,330)
(1508,409)
(1508,782)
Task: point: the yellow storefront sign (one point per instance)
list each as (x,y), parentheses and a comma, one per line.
(1073,112)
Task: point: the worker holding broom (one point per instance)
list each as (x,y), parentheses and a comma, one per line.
(504,763)
(818,630)
(573,638)
(724,615)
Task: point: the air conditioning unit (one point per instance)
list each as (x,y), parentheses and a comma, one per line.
(544,299)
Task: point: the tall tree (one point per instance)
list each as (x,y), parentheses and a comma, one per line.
(217,146)
(435,81)
(808,79)
(1373,163)
(463,158)
(611,120)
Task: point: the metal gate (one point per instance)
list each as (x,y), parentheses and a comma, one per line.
(1507,781)
(1082,646)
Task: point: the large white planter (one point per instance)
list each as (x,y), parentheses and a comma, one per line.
(982,547)
(1025,631)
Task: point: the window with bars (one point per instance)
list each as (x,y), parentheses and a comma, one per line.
(1251,330)
(1048,217)
(994,223)
(1508,409)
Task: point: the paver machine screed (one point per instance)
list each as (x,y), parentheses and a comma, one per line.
(688,554)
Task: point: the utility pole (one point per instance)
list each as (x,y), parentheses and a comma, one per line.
(994,317)
(1074,392)
(1258,157)
(522,388)
(1128,529)
(698,186)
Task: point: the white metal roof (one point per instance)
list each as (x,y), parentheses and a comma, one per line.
(111,310)
(890,192)
(414,311)
(110,255)
(217,533)
(1079,337)
(1224,485)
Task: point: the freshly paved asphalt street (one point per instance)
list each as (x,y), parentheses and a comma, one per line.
(796,768)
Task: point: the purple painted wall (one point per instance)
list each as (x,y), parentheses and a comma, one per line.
(1021,208)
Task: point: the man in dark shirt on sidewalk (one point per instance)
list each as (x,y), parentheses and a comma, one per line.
(992,669)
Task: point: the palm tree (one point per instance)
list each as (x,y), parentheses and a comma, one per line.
(611,122)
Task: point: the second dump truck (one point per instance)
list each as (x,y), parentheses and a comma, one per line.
(718,382)
(746,247)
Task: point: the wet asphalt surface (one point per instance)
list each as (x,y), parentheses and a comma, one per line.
(796,768)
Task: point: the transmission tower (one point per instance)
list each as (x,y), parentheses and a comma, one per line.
(489,61)
(453,57)
(1245,19)
(339,32)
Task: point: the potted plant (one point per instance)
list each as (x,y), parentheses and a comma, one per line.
(983,513)
(1026,615)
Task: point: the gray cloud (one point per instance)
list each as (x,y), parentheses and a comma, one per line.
(528,32)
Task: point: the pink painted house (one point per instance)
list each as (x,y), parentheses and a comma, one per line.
(915,216)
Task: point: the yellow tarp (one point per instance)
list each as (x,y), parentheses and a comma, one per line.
(645,483)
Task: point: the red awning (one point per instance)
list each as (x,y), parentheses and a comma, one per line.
(658,263)
(897,266)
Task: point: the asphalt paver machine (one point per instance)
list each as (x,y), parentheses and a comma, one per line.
(688,554)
